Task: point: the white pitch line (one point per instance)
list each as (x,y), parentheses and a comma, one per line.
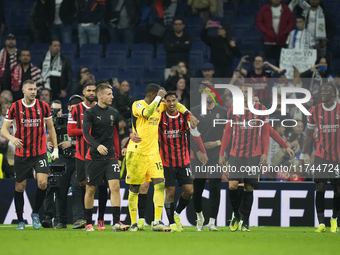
(9,226)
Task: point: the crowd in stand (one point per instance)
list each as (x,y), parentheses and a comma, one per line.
(61,22)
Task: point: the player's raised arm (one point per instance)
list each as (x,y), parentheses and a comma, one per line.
(140,110)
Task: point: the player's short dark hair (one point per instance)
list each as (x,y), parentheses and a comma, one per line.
(28,82)
(332,85)
(75,99)
(170,93)
(102,86)
(152,88)
(301,17)
(55,102)
(88,84)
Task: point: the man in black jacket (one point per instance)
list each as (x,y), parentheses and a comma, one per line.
(122,17)
(56,71)
(177,44)
(64,12)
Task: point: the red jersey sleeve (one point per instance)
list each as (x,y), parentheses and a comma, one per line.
(11,113)
(47,111)
(311,122)
(72,129)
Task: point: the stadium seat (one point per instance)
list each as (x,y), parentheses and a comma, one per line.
(195,33)
(138,63)
(142,49)
(107,64)
(192,22)
(129,76)
(158,64)
(35,58)
(24,8)
(116,49)
(336,64)
(104,75)
(161,50)
(89,62)
(39,48)
(249,9)
(14,22)
(152,77)
(242,23)
(70,57)
(68,48)
(196,61)
(199,47)
(91,49)
(139,92)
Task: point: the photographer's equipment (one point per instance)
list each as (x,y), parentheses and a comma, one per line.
(56,170)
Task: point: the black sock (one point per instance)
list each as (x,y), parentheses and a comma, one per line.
(240,190)
(336,206)
(88,216)
(102,199)
(247,203)
(320,206)
(39,199)
(169,208)
(116,214)
(19,205)
(181,204)
(233,195)
(142,199)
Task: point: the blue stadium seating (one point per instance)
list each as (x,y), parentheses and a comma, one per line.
(68,49)
(161,50)
(107,64)
(14,22)
(24,8)
(91,49)
(199,47)
(39,48)
(138,63)
(35,59)
(157,64)
(142,49)
(152,77)
(105,75)
(116,48)
(129,76)
(89,62)
(242,23)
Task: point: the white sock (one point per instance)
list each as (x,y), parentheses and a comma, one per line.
(176,214)
(200,216)
(211,221)
(156,221)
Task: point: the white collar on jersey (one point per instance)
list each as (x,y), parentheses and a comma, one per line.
(28,105)
(330,108)
(172,116)
(87,107)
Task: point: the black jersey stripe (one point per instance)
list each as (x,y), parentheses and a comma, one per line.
(31,129)
(169,143)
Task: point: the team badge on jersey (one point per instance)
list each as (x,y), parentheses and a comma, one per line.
(128,177)
(112,118)
(158,111)
(88,179)
(218,115)
(38,111)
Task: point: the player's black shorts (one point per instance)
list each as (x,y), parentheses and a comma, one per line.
(244,170)
(23,166)
(80,170)
(325,170)
(98,171)
(181,174)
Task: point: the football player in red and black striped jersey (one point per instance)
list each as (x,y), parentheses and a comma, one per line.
(325,118)
(29,116)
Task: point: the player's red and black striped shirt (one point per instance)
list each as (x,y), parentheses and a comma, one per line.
(173,142)
(75,128)
(246,140)
(327,123)
(260,83)
(30,126)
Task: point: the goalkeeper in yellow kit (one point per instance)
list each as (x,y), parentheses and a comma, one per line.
(143,161)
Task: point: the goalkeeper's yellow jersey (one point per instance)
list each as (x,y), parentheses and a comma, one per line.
(147,129)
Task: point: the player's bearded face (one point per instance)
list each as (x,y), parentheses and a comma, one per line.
(171,102)
(89,93)
(30,92)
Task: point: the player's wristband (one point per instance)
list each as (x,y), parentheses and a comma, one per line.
(302,156)
(218,142)
(157,99)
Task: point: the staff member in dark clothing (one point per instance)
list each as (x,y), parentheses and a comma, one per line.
(211,137)
(101,133)
(223,50)
(177,44)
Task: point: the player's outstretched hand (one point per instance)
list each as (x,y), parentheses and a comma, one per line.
(134,137)
(124,152)
(16,142)
(193,121)
(263,159)
(221,161)
(102,150)
(290,152)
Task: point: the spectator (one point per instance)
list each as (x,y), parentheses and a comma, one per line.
(275,20)
(176,72)
(84,76)
(177,44)
(258,77)
(23,71)
(223,50)
(319,22)
(2,20)
(4,108)
(45,95)
(300,38)
(317,75)
(208,70)
(40,19)
(205,8)
(123,100)
(56,71)
(336,82)
(122,16)
(182,92)
(6,97)
(124,131)
(9,58)
(61,22)
(90,13)
(298,129)
(273,146)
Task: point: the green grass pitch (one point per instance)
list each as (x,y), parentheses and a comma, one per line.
(261,240)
